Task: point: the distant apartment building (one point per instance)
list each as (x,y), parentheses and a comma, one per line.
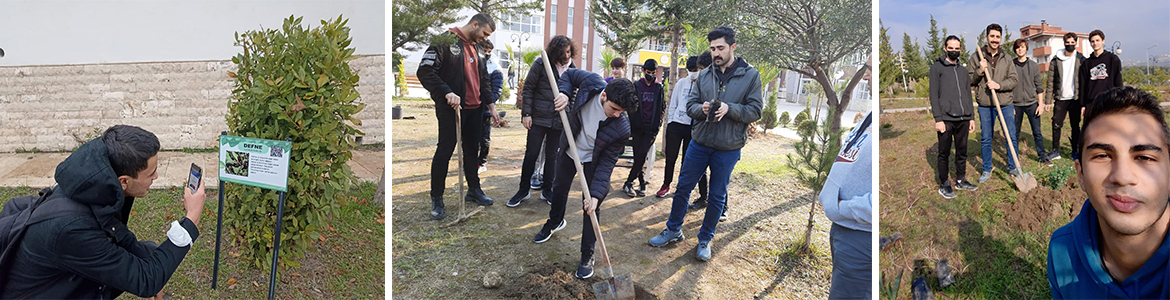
(1045,40)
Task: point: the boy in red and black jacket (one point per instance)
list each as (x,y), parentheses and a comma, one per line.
(457,78)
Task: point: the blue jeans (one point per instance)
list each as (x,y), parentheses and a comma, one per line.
(1034,119)
(987,121)
(698,158)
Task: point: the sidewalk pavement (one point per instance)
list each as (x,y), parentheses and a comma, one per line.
(36,169)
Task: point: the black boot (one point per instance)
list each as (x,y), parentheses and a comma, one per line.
(437,210)
(477,196)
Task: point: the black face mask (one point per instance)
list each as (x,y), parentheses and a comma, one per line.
(649,77)
(1070,48)
(953,55)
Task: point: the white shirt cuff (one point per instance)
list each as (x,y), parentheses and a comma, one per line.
(178,235)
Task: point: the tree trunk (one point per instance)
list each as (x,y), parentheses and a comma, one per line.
(675,38)
(808,230)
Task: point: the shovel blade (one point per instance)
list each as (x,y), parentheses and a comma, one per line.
(615,288)
(1026,182)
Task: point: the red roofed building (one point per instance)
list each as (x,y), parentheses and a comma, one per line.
(1044,41)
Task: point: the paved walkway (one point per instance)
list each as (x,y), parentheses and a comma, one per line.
(36,169)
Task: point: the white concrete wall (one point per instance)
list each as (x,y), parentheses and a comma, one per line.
(58,107)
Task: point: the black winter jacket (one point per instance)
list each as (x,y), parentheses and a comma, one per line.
(950,92)
(584,86)
(636,119)
(538,96)
(441,72)
(93,256)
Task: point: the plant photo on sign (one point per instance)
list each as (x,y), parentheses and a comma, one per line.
(293,83)
(237,163)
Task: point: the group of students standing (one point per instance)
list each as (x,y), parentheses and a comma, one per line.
(1074,80)
(604,114)
(707,121)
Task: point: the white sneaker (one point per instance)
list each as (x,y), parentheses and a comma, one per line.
(482,169)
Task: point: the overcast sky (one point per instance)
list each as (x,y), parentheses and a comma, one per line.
(1137,24)
(77,32)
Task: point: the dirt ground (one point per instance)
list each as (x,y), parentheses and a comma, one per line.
(753,252)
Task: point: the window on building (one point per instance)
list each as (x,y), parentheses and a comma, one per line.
(570,16)
(553,13)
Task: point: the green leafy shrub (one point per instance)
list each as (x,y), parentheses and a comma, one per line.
(1058,176)
(293,83)
(784,119)
(800,117)
(768,117)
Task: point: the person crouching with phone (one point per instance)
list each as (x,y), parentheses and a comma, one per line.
(92,254)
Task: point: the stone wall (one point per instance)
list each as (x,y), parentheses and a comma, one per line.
(58,107)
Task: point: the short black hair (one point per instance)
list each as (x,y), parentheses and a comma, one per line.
(995,27)
(1124,100)
(950,38)
(483,19)
(617,62)
(1073,36)
(650,64)
(622,92)
(724,32)
(556,49)
(1097,32)
(129,149)
(692,63)
(704,59)
(486,44)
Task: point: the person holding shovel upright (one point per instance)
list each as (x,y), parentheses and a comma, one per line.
(1116,247)
(725,100)
(1001,81)
(457,78)
(600,130)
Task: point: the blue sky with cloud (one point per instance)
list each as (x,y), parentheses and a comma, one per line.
(1137,24)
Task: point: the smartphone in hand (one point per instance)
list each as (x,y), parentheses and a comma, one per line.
(195,178)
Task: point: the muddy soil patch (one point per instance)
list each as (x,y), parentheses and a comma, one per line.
(551,281)
(1032,209)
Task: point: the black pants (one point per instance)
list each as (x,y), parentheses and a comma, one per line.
(1059,109)
(956,132)
(677,134)
(552,140)
(565,176)
(471,126)
(1034,120)
(485,144)
(642,141)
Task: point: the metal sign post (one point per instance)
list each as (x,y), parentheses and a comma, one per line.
(259,163)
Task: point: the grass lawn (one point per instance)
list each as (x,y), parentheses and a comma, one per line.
(348,263)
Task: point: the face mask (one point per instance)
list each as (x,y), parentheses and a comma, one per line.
(1070,48)
(487,57)
(953,55)
(649,78)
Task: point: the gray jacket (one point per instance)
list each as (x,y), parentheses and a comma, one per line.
(1004,73)
(1056,73)
(1030,85)
(741,93)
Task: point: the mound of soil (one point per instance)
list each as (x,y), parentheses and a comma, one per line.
(1032,209)
(551,281)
